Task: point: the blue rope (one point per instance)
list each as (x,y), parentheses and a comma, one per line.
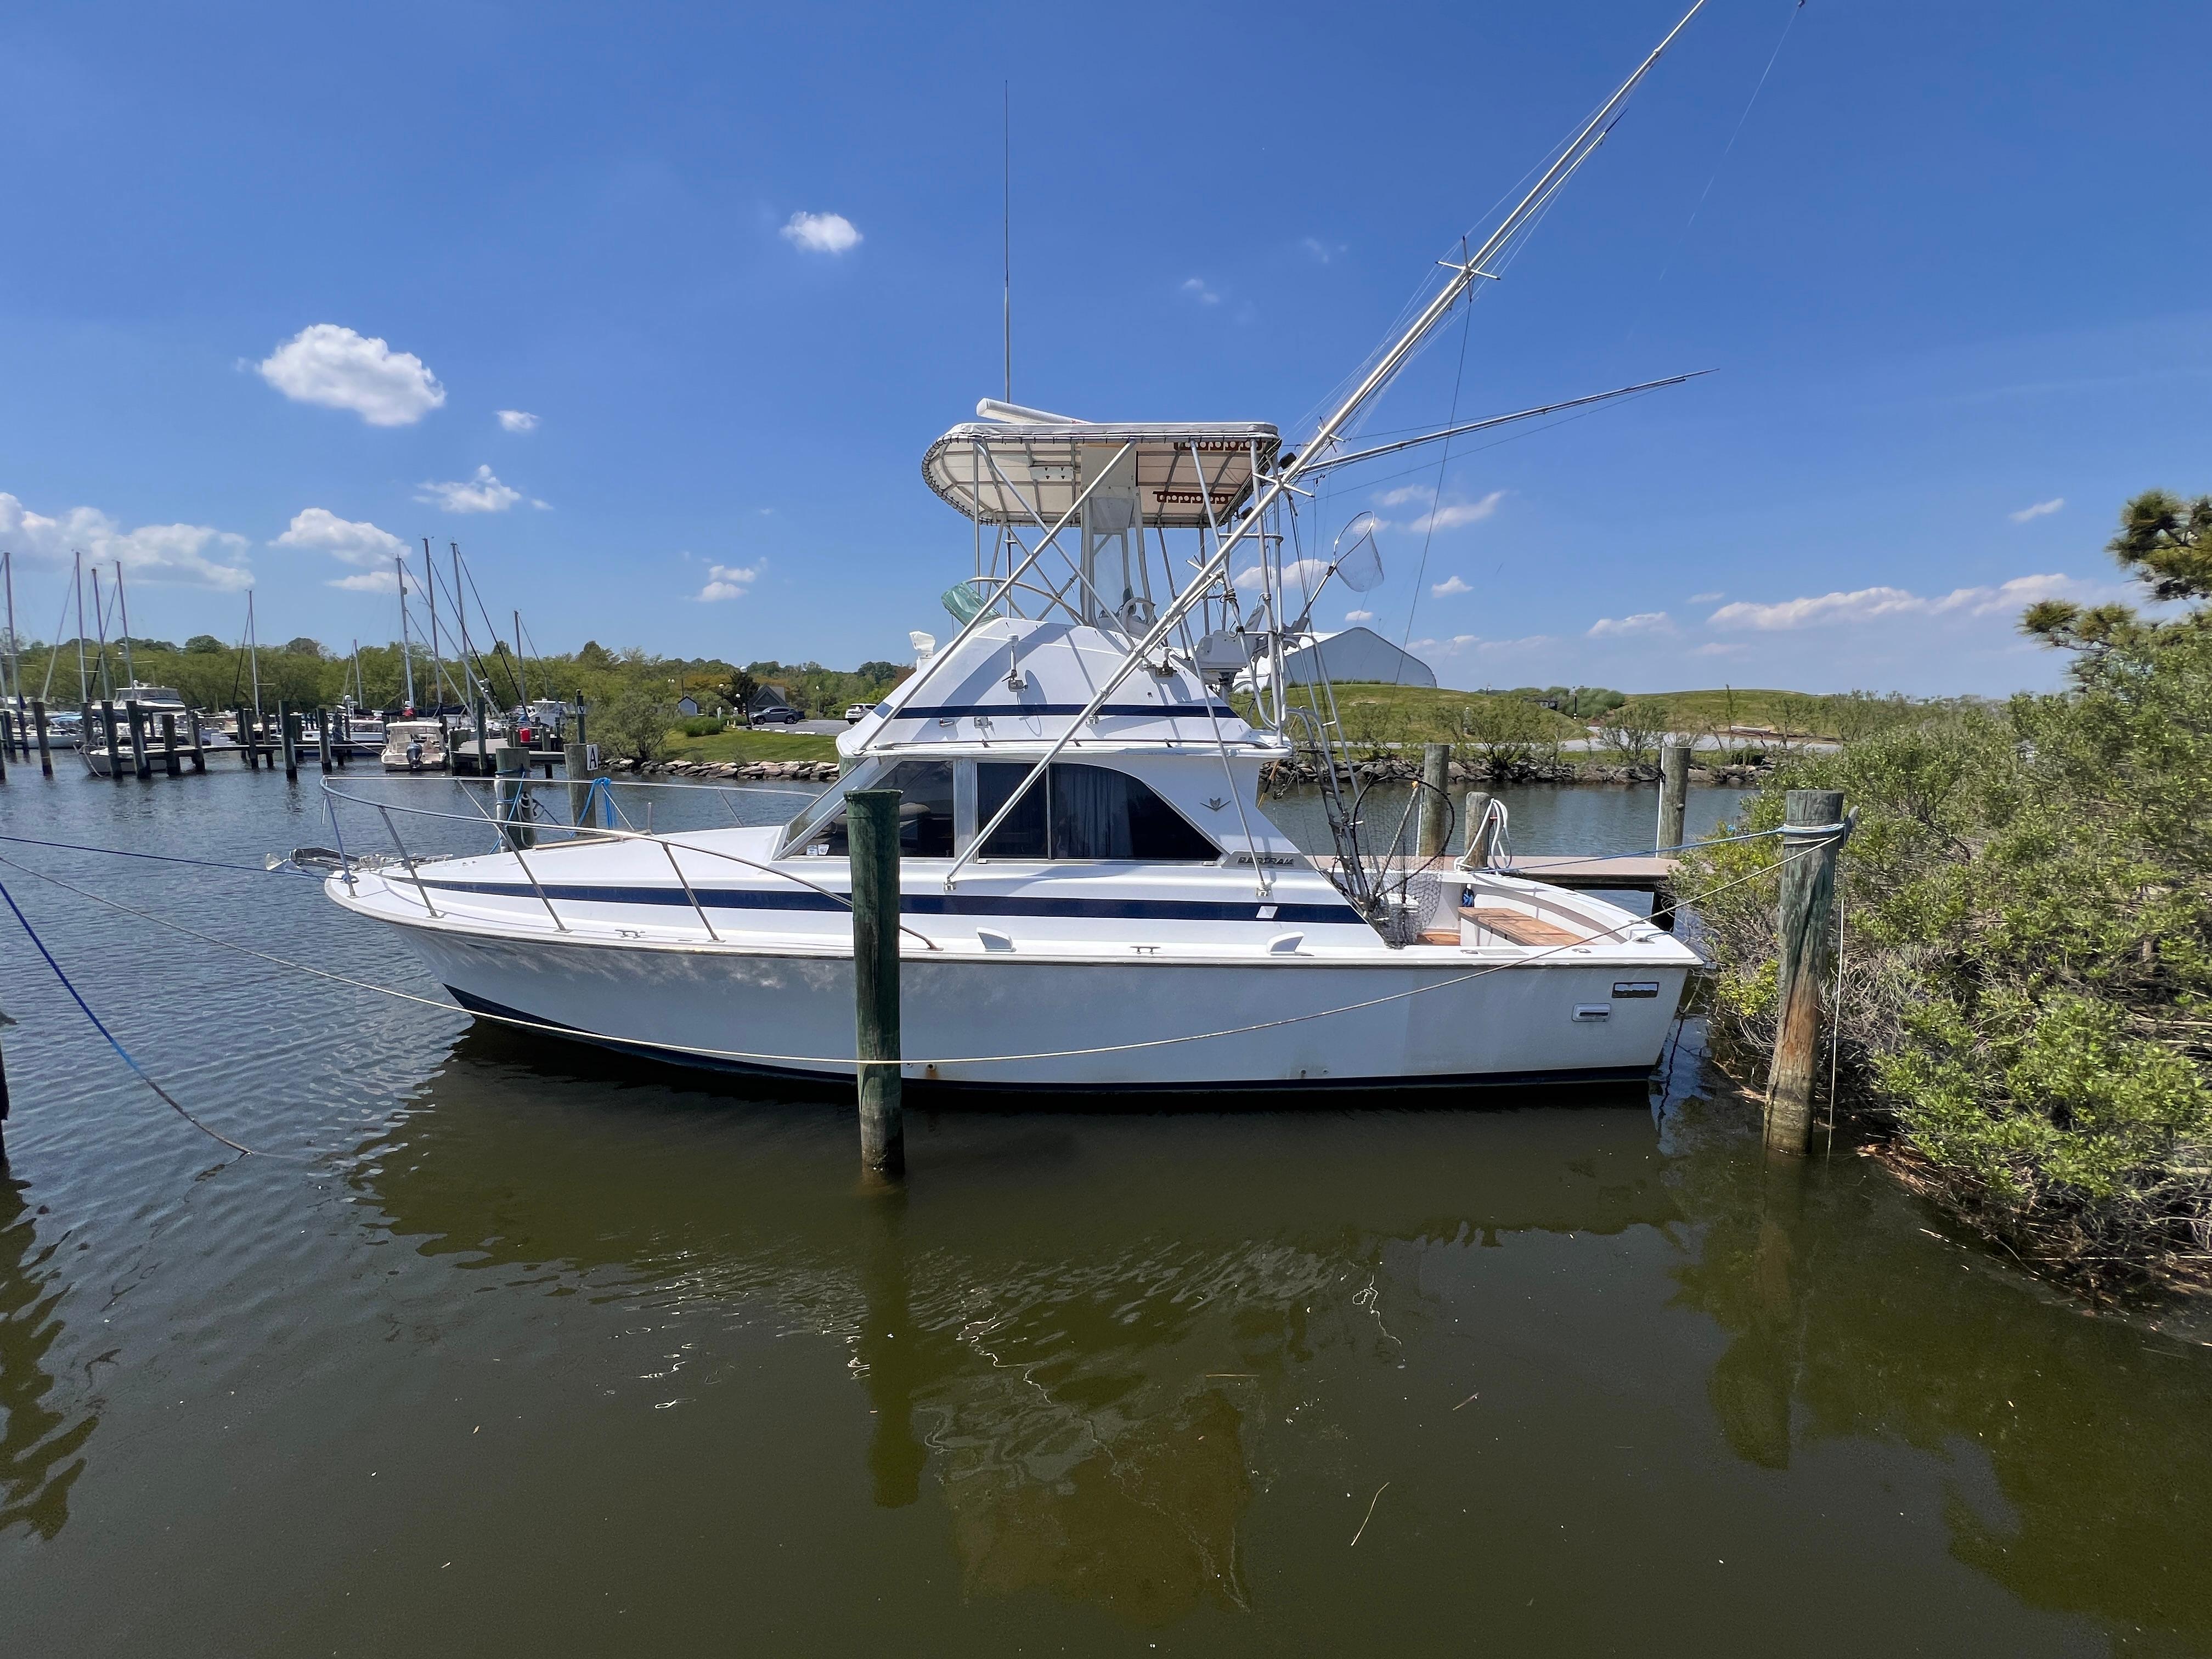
(142,1076)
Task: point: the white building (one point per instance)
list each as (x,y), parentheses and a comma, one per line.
(1351,653)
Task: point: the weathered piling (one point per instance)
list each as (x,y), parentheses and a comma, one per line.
(246,739)
(511,795)
(1673,799)
(7,742)
(1673,792)
(483,750)
(1812,835)
(287,725)
(1436,800)
(199,743)
(46,748)
(1481,834)
(323,740)
(107,739)
(871,832)
(141,765)
(170,763)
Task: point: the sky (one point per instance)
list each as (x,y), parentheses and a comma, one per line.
(654,311)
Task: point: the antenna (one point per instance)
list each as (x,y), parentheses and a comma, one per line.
(1006,217)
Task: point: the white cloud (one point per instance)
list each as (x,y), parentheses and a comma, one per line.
(354,542)
(1707,598)
(1716,648)
(1480,646)
(516,420)
(338,369)
(1449,585)
(1323,253)
(821,233)
(2040,510)
(1644,622)
(1196,288)
(1867,605)
(368,582)
(482,494)
(1360,616)
(728,581)
(1448,515)
(190,553)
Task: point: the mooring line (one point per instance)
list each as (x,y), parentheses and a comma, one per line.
(579,1033)
(144,1077)
(162,858)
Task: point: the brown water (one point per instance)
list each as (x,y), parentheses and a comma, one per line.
(505,1346)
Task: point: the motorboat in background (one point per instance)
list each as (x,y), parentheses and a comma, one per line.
(415,746)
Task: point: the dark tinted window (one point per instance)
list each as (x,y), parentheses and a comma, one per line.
(925,810)
(1086,812)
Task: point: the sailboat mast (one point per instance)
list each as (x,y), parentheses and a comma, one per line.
(99,623)
(15,648)
(461,609)
(430,597)
(521,681)
(406,648)
(359,693)
(122,605)
(83,687)
(254,651)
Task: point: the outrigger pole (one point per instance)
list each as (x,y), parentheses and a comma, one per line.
(1465,274)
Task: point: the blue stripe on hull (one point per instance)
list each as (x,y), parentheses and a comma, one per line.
(922,904)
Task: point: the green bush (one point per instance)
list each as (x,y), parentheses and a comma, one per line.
(2028,970)
(702,725)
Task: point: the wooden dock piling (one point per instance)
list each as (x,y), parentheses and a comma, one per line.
(108,739)
(199,743)
(322,742)
(170,763)
(1812,836)
(46,749)
(288,726)
(1673,792)
(1436,800)
(141,765)
(872,820)
(1674,800)
(7,742)
(1481,834)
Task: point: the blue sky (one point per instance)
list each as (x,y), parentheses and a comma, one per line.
(1952,276)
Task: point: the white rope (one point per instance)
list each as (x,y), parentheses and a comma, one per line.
(579,1032)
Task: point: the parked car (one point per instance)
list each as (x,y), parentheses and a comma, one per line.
(859,711)
(776,717)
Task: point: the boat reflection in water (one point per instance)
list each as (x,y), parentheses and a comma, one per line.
(1160,1364)
(42,1439)
(1082,1333)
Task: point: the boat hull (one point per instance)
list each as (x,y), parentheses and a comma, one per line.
(1011,1022)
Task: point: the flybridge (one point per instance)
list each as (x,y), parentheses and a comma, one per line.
(1016,465)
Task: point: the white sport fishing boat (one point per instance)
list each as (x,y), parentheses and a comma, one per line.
(1093,895)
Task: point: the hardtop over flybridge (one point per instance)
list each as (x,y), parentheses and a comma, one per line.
(1092,894)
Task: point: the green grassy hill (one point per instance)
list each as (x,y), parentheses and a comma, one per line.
(742,745)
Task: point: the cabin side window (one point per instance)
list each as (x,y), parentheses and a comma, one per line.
(1087,812)
(925,812)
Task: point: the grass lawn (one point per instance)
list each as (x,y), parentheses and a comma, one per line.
(743,745)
